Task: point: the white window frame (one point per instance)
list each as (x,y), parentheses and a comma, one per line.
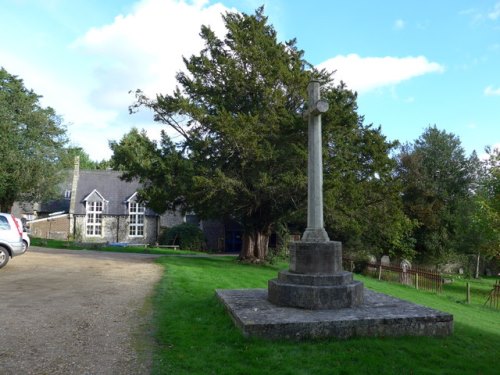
(93,218)
(136,217)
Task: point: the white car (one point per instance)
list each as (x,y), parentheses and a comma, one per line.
(11,238)
(26,238)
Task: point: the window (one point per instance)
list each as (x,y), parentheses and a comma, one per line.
(136,219)
(67,194)
(4,223)
(94,218)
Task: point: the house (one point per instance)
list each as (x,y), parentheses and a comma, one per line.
(97,206)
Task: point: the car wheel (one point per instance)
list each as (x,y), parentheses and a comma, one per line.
(25,246)
(4,256)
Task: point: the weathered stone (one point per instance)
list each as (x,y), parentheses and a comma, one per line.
(405,265)
(315,231)
(379,315)
(316,279)
(315,297)
(316,257)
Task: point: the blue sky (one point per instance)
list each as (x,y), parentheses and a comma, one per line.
(413,63)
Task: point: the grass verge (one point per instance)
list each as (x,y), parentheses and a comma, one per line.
(195,335)
(71,245)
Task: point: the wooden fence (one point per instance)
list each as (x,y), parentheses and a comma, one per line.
(418,278)
(494,296)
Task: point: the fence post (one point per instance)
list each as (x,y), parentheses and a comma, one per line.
(468,293)
(380,272)
(416,280)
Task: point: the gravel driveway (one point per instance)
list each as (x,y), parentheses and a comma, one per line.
(76,312)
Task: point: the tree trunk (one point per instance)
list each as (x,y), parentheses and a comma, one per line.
(476,276)
(255,245)
(5,207)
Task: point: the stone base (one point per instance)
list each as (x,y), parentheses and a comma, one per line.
(303,291)
(379,315)
(315,279)
(316,257)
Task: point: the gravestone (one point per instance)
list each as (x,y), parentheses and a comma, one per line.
(385,260)
(405,265)
(405,277)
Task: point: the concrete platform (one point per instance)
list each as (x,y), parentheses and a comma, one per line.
(379,315)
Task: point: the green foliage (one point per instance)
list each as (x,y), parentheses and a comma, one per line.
(68,159)
(164,171)
(479,219)
(362,196)
(438,180)
(32,143)
(187,236)
(195,335)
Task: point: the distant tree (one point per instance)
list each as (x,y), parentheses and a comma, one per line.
(490,184)
(32,141)
(479,231)
(68,159)
(438,181)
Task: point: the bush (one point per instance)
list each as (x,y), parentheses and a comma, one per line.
(186,236)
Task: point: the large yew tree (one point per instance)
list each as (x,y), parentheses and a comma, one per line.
(238,110)
(243,151)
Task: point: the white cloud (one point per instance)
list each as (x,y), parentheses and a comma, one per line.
(144,49)
(490,91)
(365,74)
(139,50)
(481,15)
(399,24)
(495,13)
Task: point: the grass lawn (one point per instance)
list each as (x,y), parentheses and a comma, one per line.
(71,245)
(195,335)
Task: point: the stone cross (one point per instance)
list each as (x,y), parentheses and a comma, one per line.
(315,231)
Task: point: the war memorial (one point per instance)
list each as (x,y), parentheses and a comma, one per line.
(315,297)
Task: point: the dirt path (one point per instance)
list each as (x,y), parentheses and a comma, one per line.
(76,312)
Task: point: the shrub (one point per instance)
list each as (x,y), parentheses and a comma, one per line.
(186,236)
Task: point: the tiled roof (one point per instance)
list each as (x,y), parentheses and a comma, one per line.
(108,184)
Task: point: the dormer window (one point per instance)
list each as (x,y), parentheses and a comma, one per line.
(94,208)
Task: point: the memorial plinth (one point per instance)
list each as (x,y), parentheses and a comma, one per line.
(378,316)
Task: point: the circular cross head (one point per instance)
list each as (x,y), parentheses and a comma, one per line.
(322,106)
